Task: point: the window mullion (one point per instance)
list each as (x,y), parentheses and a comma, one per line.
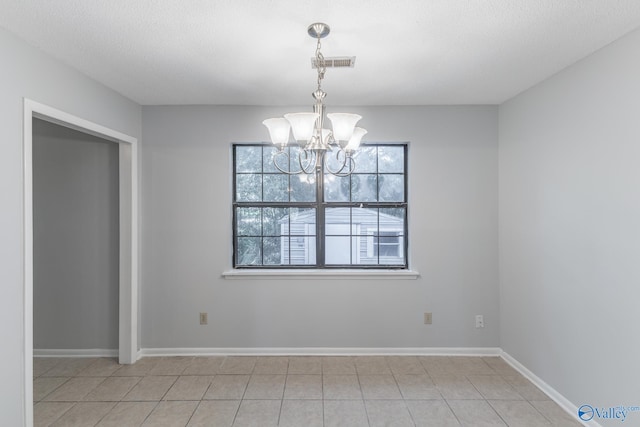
(320,216)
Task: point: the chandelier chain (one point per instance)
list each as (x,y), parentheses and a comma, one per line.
(320,64)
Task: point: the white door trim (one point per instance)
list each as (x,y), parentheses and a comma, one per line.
(128,288)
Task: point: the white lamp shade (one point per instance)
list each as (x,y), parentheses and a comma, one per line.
(343,124)
(354,142)
(302,125)
(278,130)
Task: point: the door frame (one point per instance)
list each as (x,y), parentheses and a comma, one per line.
(128,256)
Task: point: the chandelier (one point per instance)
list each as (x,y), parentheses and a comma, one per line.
(318,147)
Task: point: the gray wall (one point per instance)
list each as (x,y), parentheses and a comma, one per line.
(27,72)
(186,238)
(570,227)
(75,239)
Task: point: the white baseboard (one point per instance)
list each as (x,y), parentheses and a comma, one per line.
(562,401)
(322,351)
(81,352)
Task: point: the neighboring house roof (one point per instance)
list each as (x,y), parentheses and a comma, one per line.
(346,216)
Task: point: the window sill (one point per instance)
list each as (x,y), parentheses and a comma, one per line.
(320,274)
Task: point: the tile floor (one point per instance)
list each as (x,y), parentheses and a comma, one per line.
(289,391)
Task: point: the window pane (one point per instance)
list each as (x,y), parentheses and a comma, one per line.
(276,188)
(337,221)
(249,251)
(393,216)
(248,159)
(302,222)
(364,188)
(271,250)
(303,188)
(365,159)
(338,250)
(272,220)
(336,189)
(248,188)
(298,250)
(268,154)
(391,188)
(248,222)
(391,159)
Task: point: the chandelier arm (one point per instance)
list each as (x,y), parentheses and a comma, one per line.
(347,162)
(286,155)
(312,160)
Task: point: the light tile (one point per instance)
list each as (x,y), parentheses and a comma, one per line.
(519,413)
(141,368)
(405,365)
(305,365)
(372,365)
(388,413)
(525,388)
(262,391)
(102,367)
(150,388)
(271,365)
(417,387)
(75,389)
(437,365)
(171,414)
(43,364)
(455,387)
(46,413)
(237,365)
(127,414)
(189,388)
(471,365)
(265,387)
(555,414)
(171,365)
(493,387)
(204,366)
(500,366)
(379,387)
(338,365)
(112,389)
(258,413)
(345,413)
(69,367)
(215,413)
(44,385)
(303,387)
(431,413)
(84,414)
(228,387)
(341,387)
(475,413)
(296,413)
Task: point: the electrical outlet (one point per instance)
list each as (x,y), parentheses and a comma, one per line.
(479,321)
(204,318)
(428,319)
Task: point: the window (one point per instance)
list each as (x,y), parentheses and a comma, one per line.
(320,221)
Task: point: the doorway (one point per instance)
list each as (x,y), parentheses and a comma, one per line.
(75,242)
(128,235)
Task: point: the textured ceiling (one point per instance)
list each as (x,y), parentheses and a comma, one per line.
(257,52)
